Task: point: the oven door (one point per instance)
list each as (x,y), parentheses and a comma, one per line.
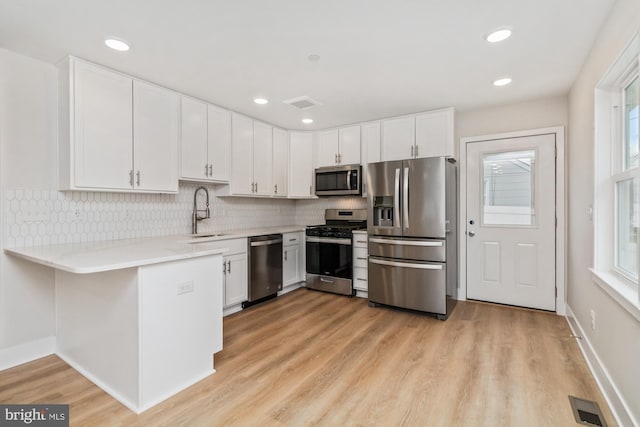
(329,257)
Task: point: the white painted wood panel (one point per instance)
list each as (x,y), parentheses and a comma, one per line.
(398,138)
(194,152)
(328,148)
(262,158)
(155,138)
(300,164)
(280,162)
(349,153)
(242,154)
(219,143)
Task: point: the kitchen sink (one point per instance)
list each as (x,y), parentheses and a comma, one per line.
(200,236)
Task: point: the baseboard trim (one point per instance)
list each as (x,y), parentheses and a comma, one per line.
(27,352)
(619,407)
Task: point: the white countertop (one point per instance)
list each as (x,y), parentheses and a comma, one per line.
(95,257)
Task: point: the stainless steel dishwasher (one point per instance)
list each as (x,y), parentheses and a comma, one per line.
(265,267)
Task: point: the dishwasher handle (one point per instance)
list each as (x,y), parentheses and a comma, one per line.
(266,242)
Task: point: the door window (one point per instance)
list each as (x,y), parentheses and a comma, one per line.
(508,188)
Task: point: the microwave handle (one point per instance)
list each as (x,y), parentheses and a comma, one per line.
(348,187)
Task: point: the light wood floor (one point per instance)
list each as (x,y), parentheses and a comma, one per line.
(310,358)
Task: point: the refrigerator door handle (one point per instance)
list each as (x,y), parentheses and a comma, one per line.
(405,242)
(406,264)
(396,199)
(405,198)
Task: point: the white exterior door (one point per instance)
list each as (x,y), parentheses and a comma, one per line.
(510,221)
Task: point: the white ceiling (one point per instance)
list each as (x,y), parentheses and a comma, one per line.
(379,58)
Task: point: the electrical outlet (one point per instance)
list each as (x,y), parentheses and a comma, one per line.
(184,288)
(593,319)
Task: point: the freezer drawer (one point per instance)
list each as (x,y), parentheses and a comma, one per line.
(414,285)
(417,249)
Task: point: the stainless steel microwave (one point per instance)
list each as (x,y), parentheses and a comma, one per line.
(339,180)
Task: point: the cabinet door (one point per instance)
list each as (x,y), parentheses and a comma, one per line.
(398,138)
(300,164)
(434,134)
(219,143)
(155,138)
(262,158)
(242,155)
(280,162)
(235,279)
(328,148)
(370,150)
(349,153)
(103,128)
(290,265)
(193,126)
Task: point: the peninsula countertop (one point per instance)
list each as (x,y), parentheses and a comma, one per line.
(95,257)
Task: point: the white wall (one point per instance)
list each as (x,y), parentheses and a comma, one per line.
(27,142)
(616,339)
(536,114)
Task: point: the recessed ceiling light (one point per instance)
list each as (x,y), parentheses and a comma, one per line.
(307,121)
(116,44)
(313,57)
(260,101)
(502,82)
(498,35)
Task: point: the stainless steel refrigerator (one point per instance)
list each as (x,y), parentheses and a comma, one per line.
(413,234)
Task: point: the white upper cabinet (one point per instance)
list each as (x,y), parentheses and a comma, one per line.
(398,138)
(262,158)
(206,142)
(99,144)
(300,165)
(349,153)
(242,154)
(328,146)
(115,133)
(155,136)
(219,143)
(280,162)
(427,134)
(194,151)
(339,146)
(434,134)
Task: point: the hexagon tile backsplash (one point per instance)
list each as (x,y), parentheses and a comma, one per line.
(42,217)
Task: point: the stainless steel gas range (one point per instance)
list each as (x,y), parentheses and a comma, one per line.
(330,250)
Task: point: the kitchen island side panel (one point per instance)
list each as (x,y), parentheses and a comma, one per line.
(97,329)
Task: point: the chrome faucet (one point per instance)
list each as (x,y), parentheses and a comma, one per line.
(195,217)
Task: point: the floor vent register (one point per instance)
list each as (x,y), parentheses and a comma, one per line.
(586,412)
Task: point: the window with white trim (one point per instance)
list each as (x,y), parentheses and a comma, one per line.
(617,175)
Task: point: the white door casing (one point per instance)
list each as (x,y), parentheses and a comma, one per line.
(510,221)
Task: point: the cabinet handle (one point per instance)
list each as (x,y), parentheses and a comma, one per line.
(360,278)
(364,259)
(253,187)
(310,193)
(224,267)
(131,177)
(275,189)
(256,187)
(229,267)
(211,170)
(339,158)
(361,241)
(206,170)
(138,178)
(412,147)
(416,151)
(293,240)
(285,255)
(335,158)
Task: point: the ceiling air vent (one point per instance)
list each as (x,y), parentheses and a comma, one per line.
(302,102)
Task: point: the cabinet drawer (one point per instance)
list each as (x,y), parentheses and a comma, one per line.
(291,238)
(360,257)
(359,240)
(360,279)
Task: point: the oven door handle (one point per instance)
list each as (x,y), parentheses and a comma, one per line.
(311,239)
(405,242)
(406,264)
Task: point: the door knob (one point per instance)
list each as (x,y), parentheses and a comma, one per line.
(471,233)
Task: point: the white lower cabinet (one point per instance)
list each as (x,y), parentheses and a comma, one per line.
(235,279)
(292,258)
(235,266)
(360,263)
